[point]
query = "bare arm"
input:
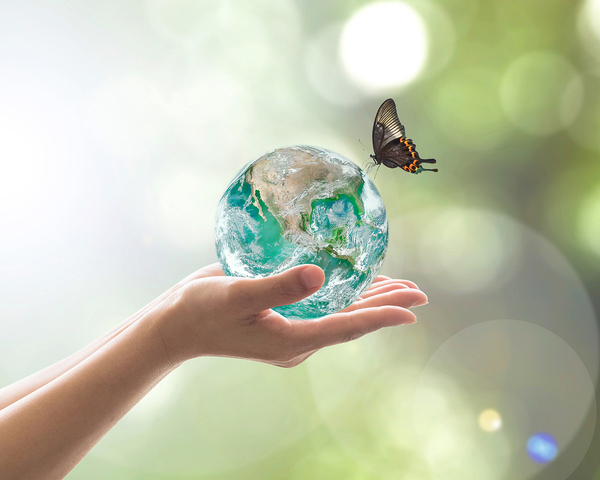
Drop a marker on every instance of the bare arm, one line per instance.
(45, 433)
(16, 391)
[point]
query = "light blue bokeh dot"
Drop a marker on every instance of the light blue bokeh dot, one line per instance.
(542, 447)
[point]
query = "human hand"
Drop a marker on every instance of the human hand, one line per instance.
(215, 315)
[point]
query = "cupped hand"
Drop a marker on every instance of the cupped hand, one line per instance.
(214, 315)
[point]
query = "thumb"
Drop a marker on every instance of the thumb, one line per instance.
(291, 286)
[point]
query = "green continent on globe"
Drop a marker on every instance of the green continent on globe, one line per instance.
(290, 186)
(300, 205)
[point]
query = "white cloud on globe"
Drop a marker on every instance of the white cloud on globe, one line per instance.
(384, 45)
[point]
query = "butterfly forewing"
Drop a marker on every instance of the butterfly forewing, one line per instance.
(387, 126)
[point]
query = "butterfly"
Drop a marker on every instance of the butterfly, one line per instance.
(390, 144)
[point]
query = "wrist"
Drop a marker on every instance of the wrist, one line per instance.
(169, 338)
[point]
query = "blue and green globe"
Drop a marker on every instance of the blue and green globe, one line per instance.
(302, 205)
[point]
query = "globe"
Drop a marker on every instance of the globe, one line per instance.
(304, 205)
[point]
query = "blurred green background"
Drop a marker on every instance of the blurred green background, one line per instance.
(121, 124)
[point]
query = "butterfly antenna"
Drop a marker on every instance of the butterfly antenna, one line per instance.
(429, 169)
(361, 144)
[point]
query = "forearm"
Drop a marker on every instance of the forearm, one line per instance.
(16, 391)
(46, 433)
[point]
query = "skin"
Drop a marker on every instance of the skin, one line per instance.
(51, 419)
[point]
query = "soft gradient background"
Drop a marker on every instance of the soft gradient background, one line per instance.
(121, 124)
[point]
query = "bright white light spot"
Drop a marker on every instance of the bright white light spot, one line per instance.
(489, 420)
(384, 45)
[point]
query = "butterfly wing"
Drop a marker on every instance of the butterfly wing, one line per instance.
(386, 126)
(390, 145)
(399, 152)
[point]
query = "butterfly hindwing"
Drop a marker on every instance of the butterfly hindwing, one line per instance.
(399, 152)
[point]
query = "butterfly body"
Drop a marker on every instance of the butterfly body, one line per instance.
(392, 148)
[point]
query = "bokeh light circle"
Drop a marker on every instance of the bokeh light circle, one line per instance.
(588, 227)
(465, 250)
(513, 260)
(585, 130)
(466, 107)
(532, 280)
(384, 45)
(541, 93)
(489, 420)
(542, 447)
(589, 26)
(534, 377)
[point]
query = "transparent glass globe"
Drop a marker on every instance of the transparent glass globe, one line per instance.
(304, 205)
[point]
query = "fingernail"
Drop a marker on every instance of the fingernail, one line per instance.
(414, 320)
(311, 278)
(420, 304)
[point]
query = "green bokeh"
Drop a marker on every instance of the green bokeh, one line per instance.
(111, 102)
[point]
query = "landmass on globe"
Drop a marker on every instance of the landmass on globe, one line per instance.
(283, 182)
(300, 205)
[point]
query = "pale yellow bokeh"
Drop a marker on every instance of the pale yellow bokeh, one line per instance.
(489, 420)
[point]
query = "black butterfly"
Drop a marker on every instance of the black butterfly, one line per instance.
(390, 144)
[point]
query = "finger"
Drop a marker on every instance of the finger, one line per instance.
(407, 283)
(384, 287)
(212, 270)
(405, 298)
(380, 278)
(258, 294)
(345, 326)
